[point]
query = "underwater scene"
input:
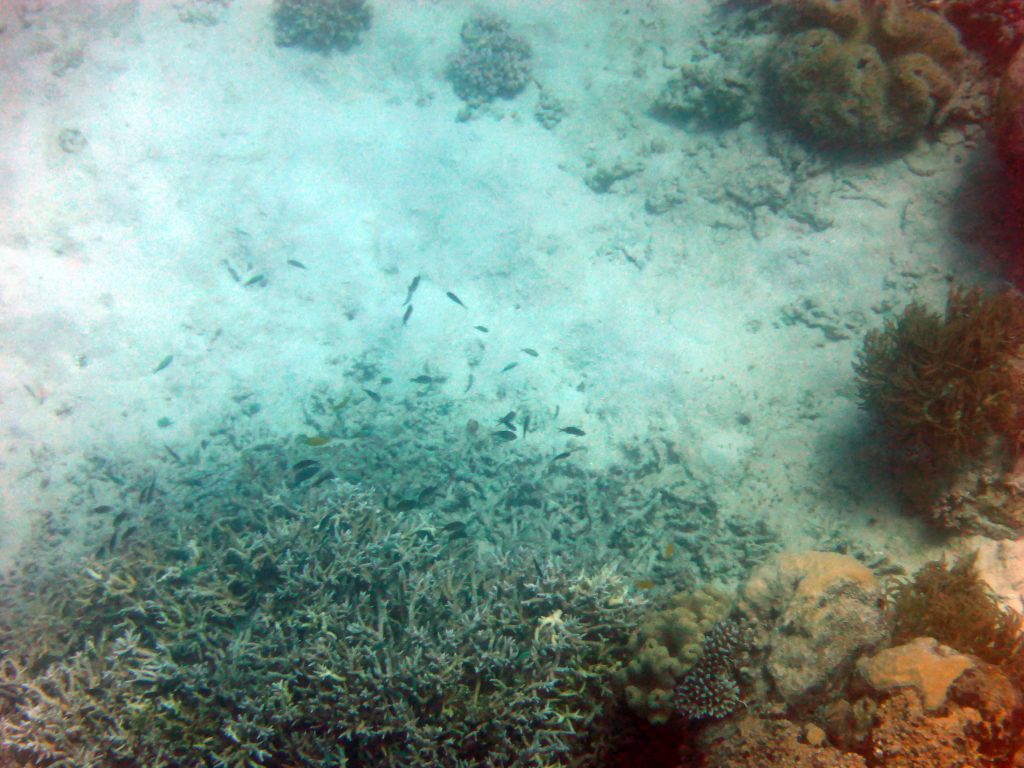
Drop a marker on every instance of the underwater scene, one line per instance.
(522, 383)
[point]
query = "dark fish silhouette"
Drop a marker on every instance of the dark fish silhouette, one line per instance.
(412, 289)
(576, 431)
(164, 363)
(507, 419)
(297, 264)
(482, 328)
(509, 367)
(530, 352)
(505, 436)
(424, 379)
(456, 299)
(407, 315)
(372, 395)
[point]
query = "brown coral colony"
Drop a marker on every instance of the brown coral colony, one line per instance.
(863, 73)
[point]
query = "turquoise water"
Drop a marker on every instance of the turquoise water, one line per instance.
(369, 373)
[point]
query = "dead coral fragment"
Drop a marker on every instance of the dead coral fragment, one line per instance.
(863, 73)
(944, 386)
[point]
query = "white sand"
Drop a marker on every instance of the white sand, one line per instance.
(208, 145)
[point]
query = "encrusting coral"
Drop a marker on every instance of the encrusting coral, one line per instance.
(949, 393)
(864, 72)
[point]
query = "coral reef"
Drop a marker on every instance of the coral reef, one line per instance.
(952, 604)
(756, 742)
(709, 688)
(667, 644)
(861, 73)
(948, 392)
(710, 95)
(320, 25)
(492, 63)
(993, 28)
(305, 626)
(922, 664)
(812, 605)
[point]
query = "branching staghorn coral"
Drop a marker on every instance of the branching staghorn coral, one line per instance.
(306, 627)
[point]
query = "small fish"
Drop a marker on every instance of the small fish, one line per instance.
(255, 280)
(469, 384)
(174, 454)
(424, 379)
(452, 527)
(505, 436)
(644, 584)
(530, 352)
(482, 328)
(101, 510)
(407, 315)
(526, 424)
(507, 419)
(426, 494)
(509, 367)
(456, 299)
(670, 550)
(343, 402)
(575, 431)
(328, 475)
(164, 363)
(305, 463)
(231, 271)
(316, 441)
(412, 289)
(120, 517)
(297, 264)
(126, 534)
(406, 504)
(372, 395)
(305, 473)
(147, 493)
(562, 455)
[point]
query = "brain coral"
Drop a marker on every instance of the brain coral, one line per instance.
(863, 72)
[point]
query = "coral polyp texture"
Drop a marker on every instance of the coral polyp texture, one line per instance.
(949, 394)
(493, 62)
(863, 72)
(304, 628)
(667, 645)
(320, 25)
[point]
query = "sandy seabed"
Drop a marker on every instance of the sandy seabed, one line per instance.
(178, 193)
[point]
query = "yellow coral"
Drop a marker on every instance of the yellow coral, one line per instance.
(665, 646)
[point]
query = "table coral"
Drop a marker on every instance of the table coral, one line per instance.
(859, 73)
